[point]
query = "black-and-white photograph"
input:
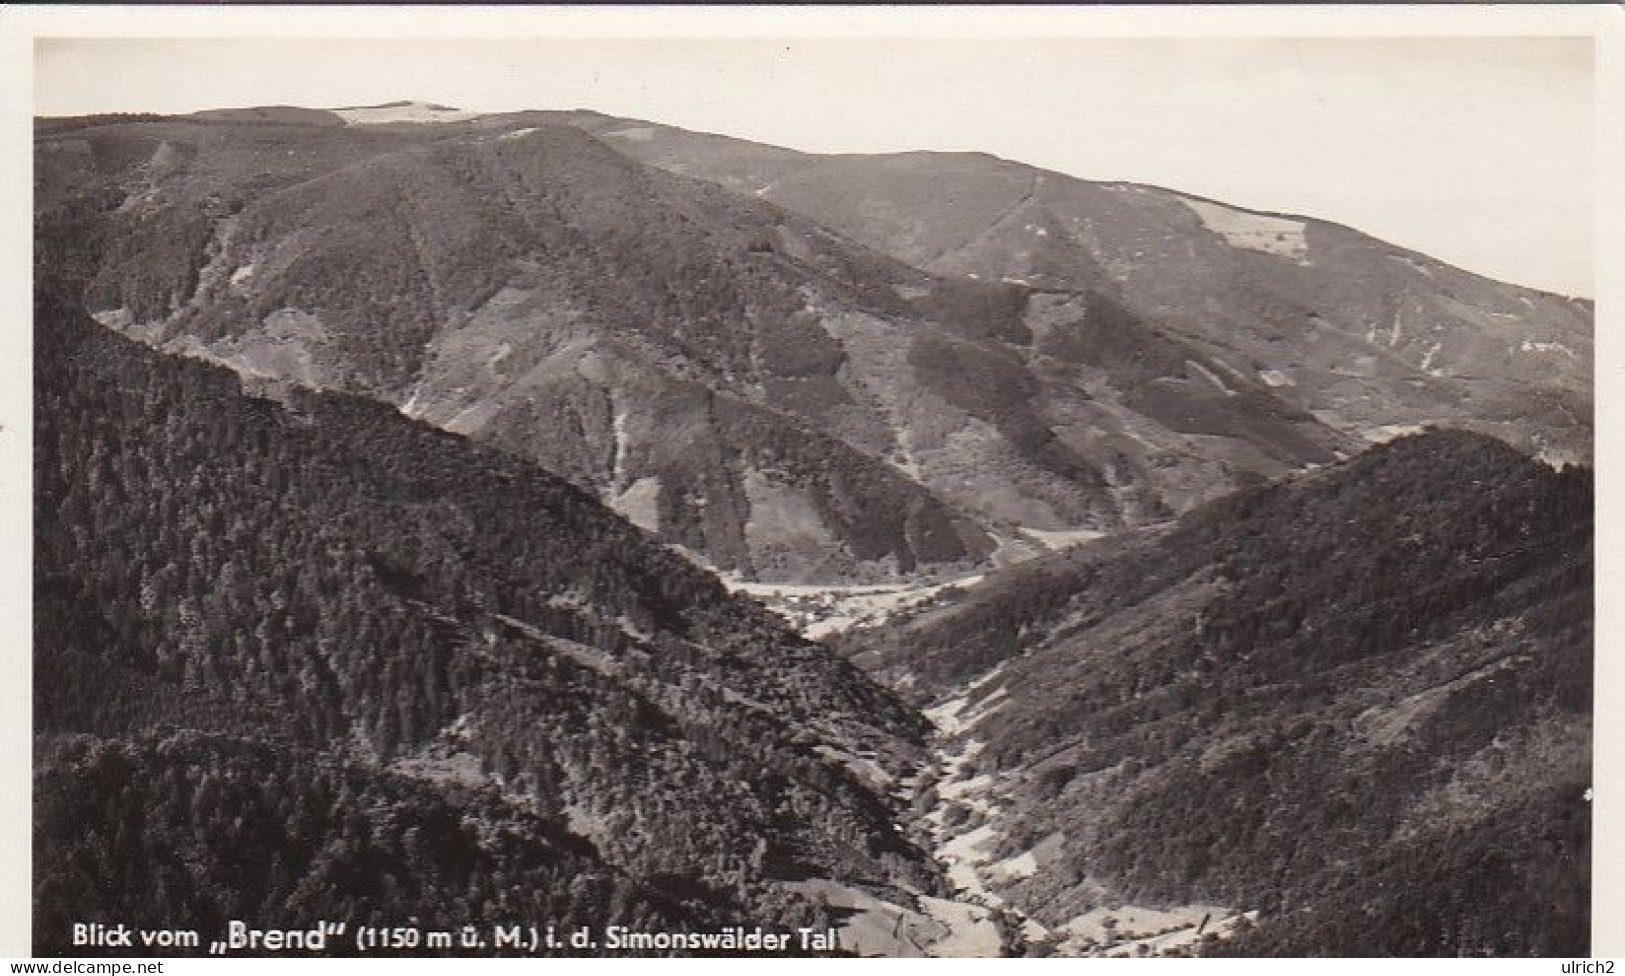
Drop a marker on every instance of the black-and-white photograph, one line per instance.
(814, 493)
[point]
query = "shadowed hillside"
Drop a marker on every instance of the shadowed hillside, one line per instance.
(1357, 702)
(316, 660)
(383, 455)
(1365, 335)
(783, 401)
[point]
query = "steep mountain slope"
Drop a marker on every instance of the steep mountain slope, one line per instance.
(747, 384)
(1366, 335)
(1356, 702)
(298, 656)
(317, 660)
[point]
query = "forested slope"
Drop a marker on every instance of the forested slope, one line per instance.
(784, 402)
(312, 659)
(1357, 701)
(1364, 334)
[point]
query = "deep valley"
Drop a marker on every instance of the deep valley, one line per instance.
(486, 518)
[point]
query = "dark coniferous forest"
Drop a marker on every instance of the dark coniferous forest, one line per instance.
(399, 485)
(316, 660)
(1359, 699)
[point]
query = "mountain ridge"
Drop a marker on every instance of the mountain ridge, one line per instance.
(1385, 663)
(585, 116)
(891, 202)
(369, 498)
(511, 244)
(811, 157)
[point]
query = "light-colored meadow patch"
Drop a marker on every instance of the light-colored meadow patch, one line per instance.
(1279, 236)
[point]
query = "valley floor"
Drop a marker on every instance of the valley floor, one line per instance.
(966, 847)
(961, 827)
